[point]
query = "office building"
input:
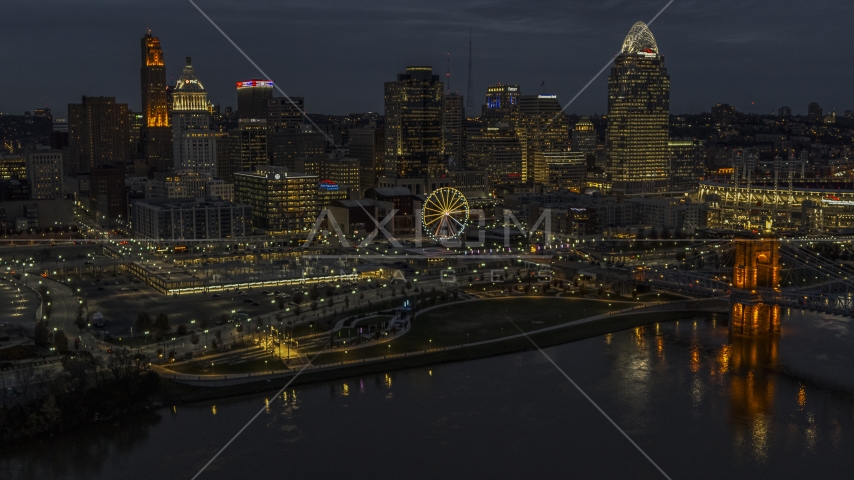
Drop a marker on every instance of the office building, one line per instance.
(414, 136)
(283, 116)
(252, 98)
(687, 163)
(242, 149)
(723, 115)
(193, 219)
(454, 128)
(584, 137)
(194, 144)
(107, 197)
(814, 112)
(497, 151)
(502, 106)
(13, 167)
(368, 146)
(282, 202)
(97, 134)
(564, 170)
(638, 116)
(44, 172)
(284, 148)
(542, 127)
(156, 133)
(136, 121)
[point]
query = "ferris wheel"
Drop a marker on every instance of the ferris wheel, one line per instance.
(445, 213)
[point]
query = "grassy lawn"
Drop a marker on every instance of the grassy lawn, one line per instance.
(202, 367)
(476, 321)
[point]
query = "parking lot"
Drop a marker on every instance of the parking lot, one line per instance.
(121, 298)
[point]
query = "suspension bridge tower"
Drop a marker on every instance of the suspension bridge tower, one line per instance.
(756, 273)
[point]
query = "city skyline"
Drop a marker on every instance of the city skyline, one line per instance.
(712, 57)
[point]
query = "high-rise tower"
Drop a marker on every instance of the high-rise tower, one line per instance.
(194, 142)
(156, 132)
(638, 116)
(414, 114)
(252, 98)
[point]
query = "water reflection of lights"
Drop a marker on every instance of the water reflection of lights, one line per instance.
(802, 398)
(811, 433)
(695, 358)
(345, 390)
(387, 381)
(213, 409)
(760, 429)
(724, 356)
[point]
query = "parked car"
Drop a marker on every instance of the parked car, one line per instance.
(215, 295)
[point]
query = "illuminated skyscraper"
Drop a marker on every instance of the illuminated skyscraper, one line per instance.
(542, 128)
(638, 116)
(584, 137)
(193, 141)
(414, 115)
(502, 105)
(156, 132)
(252, 98)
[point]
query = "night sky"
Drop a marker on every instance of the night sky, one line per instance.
(756, 55)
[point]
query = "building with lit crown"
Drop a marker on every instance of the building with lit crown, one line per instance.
(252, 98)
(194, 144)
(157, 131)
(638, 116)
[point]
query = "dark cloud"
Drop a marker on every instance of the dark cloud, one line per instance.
(338, 53)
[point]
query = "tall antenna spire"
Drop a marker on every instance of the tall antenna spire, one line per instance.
(470, 93)
(448, 74)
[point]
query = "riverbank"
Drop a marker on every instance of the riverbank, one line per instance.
(169, 392)
(175, 393)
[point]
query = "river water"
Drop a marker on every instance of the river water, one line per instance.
(699, 403)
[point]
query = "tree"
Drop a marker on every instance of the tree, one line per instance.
(143, 323)
(297, 297)
(80, 320)
(60, 341)
(330, 290)
(297, 310)
(332, 301)
(161, 325)
(313, 306)
(41, 333)
(527, 288)
(313, 292)
(181, 330)
(408, 285)
(281, 301)
(347, 301)
(194, 339)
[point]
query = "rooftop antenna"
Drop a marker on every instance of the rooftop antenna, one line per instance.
(448, 74)
(470, 99)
